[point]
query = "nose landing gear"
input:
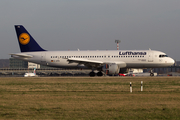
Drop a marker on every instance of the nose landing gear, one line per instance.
(151, 73)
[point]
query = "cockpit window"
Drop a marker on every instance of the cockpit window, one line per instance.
(163, 56)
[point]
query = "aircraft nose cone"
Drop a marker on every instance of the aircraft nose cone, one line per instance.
(172, 61)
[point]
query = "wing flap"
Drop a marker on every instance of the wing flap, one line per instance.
(94, 63)
(86, 62)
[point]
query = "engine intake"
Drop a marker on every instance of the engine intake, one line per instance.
(111, 69)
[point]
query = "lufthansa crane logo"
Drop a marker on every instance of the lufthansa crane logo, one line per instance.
(24, 38)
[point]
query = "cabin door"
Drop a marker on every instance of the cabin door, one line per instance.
(150, 56)
(43, 58)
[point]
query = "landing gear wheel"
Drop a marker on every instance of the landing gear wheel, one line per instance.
(92, 74)
(99, 74)
(151, 74)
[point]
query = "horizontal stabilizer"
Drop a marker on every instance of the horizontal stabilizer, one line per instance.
(21, 55)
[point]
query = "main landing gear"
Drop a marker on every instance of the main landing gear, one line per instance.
(92, 74)
(99, 73)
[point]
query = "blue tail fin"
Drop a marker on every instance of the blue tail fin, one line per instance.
(26, 41)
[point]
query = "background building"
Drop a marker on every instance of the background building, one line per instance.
(33, 65)
(17, 64)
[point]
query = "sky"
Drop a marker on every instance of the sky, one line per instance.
(92, 24)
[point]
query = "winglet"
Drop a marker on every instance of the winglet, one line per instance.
(26, 41)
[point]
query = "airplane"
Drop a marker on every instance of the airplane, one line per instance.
(110, 62)
(31, 74)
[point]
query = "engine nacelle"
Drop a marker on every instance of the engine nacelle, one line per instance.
(111, 69)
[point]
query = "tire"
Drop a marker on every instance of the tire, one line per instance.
(151, 74)
(92, 74)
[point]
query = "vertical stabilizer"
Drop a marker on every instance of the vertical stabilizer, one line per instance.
(26, 41)
(34, 71)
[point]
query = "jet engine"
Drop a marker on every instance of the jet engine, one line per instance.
(111, 69)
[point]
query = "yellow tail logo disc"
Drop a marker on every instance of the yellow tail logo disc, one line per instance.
(24, 38)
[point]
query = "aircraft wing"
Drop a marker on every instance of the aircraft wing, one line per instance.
(21, 55)
(86, 62)
(93, 63)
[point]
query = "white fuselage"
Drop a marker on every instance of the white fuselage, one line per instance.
(29, 75)
(129, 58)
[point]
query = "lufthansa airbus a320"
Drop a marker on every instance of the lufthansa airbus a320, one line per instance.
(105, 62)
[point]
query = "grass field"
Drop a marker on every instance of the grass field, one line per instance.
(90, 98)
